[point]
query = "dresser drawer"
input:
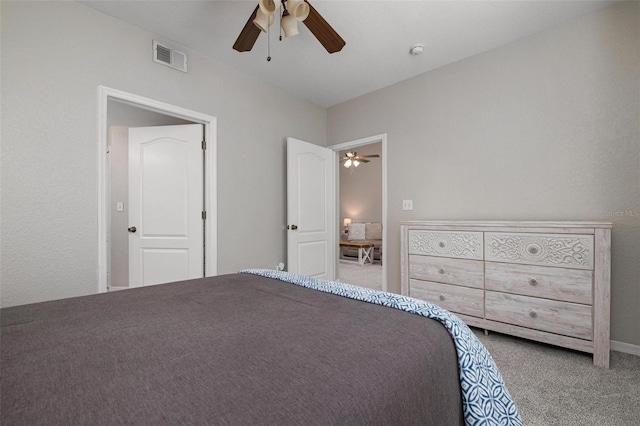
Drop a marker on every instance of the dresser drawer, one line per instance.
(569, 285)
(459, 245)
(568, 319)
(468, 273)
(463, 300)
(568, 251)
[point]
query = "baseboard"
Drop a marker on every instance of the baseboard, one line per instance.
(627, 348)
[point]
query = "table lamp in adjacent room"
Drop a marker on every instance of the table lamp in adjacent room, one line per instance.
(346, 222)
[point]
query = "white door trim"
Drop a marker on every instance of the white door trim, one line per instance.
(353, 144)
(210, 130)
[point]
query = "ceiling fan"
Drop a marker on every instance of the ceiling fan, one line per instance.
(292, 12)
(352, 158)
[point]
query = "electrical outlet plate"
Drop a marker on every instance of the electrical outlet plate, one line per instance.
(407, 204)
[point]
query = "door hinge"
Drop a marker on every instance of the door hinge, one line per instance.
(204, 145)
(204, 215)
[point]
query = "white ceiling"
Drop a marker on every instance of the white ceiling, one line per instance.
(378, 36)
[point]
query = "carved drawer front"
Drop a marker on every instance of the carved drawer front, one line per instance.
(568, 251)
(568, 319)
(463, 300)
(460, 245)
(468, 273)
(569, 285)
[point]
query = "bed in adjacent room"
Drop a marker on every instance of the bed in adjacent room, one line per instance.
(252, 348)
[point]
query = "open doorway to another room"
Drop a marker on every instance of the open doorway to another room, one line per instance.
(361, 212)
(120, 118)
(176, 141)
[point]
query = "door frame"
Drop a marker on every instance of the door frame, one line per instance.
(354, 144)
(105, 94)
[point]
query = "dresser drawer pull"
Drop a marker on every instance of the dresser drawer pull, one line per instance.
(441, 270)
(441, 297)
(533, 314)
(533, 281)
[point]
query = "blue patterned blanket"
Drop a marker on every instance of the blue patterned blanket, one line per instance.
(485, 398)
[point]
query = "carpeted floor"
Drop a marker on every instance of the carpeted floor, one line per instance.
(556, 386)
(369, 275)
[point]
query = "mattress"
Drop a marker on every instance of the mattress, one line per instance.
(232, 349)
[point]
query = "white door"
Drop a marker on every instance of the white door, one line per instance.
(311, 209)
(165, 204)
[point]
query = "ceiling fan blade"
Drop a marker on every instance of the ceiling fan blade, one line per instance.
(320, 28)
(369, 156)
(362, 161)
(248, 35)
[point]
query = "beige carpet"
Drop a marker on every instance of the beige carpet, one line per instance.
(369, 275)
(556, 386)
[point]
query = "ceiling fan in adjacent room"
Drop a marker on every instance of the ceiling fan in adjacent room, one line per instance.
(291, 12)
(352, 158)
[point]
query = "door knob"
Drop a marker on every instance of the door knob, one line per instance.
(292, 227)
(132, 229)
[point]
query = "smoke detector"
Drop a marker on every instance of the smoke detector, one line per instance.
(416, 49)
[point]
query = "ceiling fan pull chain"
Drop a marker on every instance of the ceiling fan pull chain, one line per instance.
(268, 43)
(281, 13)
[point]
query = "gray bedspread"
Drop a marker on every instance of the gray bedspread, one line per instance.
(233, 349)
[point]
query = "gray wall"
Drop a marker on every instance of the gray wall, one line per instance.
(361, 187)
(118, 235)
(545, 128)
(121, 114)
(54, 56)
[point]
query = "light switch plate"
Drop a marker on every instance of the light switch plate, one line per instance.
(119, 206)
(407, 204)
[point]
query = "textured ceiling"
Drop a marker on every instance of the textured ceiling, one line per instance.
(378, 36)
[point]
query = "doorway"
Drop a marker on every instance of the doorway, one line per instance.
(117, 111)
(367, 207)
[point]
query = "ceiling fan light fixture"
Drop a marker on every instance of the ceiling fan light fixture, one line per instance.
(299, 9)
(269, 7)
(263, 21)
(351, 158)
(289, 25)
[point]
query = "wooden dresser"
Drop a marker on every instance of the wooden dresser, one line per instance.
(545, 281)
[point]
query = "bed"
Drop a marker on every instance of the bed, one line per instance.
(259, 347)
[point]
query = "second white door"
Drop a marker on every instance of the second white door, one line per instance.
(165, 204)
(311, 212)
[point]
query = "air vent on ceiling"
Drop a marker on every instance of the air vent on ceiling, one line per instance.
(169, 57)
